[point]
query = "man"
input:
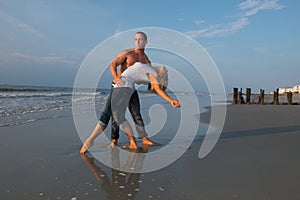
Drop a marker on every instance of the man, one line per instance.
(125, 59)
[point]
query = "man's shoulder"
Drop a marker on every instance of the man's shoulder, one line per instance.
(127, 51)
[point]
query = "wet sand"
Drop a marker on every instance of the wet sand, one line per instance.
(257, 157)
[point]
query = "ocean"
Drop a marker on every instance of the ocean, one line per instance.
(26, 104)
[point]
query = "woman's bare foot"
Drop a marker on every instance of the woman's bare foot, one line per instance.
(86, 146)
(113, 143)
(132, 143)
(147, 141)
(130, 146)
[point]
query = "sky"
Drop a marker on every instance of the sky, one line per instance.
(254, 43)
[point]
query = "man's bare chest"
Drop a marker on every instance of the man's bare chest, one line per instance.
(136, 58)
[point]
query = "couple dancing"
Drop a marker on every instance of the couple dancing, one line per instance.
(135, 68)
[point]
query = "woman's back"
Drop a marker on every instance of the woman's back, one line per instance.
(137, 73)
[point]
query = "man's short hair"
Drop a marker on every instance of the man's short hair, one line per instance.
(144, 34)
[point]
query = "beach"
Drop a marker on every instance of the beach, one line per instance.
(257, 157)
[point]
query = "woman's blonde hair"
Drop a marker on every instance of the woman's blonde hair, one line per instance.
(162, 78)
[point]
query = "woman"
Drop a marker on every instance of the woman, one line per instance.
(138, 73)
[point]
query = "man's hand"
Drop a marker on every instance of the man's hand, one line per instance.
(119, 81)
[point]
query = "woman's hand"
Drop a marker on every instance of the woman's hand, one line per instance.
(175, 103)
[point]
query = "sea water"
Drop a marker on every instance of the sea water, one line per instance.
(26, 104)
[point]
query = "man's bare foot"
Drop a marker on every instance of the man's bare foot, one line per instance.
(147, 141)
(130, 146)
(86, 146)
(113, 143)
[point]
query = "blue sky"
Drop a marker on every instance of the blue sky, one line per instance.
(254, 43)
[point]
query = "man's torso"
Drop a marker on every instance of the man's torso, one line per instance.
(133, 57)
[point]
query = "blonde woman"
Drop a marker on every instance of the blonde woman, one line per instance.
(138, 73)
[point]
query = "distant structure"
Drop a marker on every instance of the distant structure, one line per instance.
(294, 89)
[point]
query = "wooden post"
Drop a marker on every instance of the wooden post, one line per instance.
(248, 95)
(261, 98)
(289, 97)
(275, 97)
(235, 96)
(241, 98)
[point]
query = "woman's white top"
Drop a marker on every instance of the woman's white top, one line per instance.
(136, 73)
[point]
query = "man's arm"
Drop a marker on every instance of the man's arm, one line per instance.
(115, 63)
(148, 62)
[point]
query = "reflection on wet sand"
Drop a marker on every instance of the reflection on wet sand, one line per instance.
(122, 185)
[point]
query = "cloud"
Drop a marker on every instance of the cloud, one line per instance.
(44, 59)
(268, 52)
(21, 57)
(252, 7)
(248, 8)
(16, 23)
(260, 50)
(220, 29)
(199, 21)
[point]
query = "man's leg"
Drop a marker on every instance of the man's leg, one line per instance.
(114, 129)
(105, 117)
(106, 112)
(134, 108)
(114, 132)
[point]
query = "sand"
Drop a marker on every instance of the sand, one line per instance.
(257, 157)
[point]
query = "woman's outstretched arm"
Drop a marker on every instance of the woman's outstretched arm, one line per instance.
(175, 103)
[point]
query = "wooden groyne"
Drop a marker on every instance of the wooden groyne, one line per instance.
(288, 98)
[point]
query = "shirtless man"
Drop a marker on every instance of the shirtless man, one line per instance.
(125, 59)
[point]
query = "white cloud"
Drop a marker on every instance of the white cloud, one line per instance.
(249, 4)
(252, 7)
(17, 23)
(260, 49)
(220, 29)
(199, 21)
(248, 8)
(211, 47)
(21, 57)
(268, 52)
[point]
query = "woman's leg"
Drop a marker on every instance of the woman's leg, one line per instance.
(101, 125)
(128, 131)
(120, 100)
(89, 142)
(134, 108)
(105, 116)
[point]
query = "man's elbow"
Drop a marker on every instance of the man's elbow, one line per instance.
(113, 66)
